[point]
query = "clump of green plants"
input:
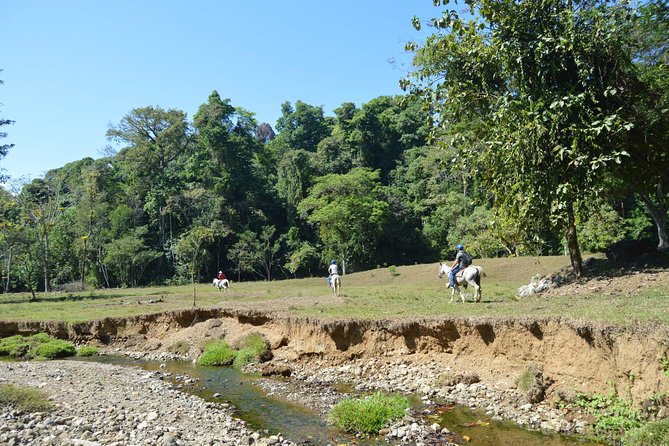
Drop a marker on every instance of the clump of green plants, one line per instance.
(252, 348)
(40, 345)
(257, 345)
(614, 415)
(55, 348)
(392, 269)
(368, 415)
(87, 350)
(217, 353)
(24, 399)
(654, 433)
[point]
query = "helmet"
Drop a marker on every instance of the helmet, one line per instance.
(459, 247)
(333, 262)
(220, 272)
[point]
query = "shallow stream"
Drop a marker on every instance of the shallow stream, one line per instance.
(305, 427)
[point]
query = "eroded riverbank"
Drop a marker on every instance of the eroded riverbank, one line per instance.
(471, 361)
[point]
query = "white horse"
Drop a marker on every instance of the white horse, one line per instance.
(470, 275)
(335, 283)
(221, 284)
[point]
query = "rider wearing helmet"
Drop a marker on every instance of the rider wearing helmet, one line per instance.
(221, 275)
(458, 264)
(332, 270)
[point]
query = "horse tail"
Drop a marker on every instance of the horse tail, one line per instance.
(481, 272)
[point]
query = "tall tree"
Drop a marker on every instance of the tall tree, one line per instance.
(646, 105)
(157, 145)
(538, 81)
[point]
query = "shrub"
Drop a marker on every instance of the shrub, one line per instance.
(526, 379)
(217, 353)
(654, 433)
(87, 350)
(56, 348)
(256, 343)
(8, 346)
(25, 399)
(36, 345)
(368, 415)
(243, 357)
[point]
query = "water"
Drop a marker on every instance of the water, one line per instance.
(304, 426)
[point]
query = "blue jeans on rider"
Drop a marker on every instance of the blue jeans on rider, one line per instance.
(451, 275)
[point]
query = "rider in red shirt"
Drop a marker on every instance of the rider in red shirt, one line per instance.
(221, 276)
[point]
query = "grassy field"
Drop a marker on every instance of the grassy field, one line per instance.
(383, 293)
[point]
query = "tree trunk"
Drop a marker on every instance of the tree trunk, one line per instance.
(9, 268)
(658, 212)
(572, 243)
(46, 261)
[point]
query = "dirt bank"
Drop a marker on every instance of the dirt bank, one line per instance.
(578, 356)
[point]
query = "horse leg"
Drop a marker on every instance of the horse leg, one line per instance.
(462, 295)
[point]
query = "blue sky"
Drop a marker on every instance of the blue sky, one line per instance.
(71, 68)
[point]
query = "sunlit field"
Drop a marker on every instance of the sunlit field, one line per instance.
(382, 293)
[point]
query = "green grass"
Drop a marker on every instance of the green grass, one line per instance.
(415, 291)
(36, 346)
(654, 433)
(87, 350)
(24, 399)
(368, 415)
(217, 353)
(614, 415)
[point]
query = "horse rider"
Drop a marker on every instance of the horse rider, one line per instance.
(221, 276)
(332, 270)
(458, 264)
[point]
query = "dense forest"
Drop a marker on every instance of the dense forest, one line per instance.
(527, 128)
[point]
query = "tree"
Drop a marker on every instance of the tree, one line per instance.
(646, 105)
(41, 201)
(157, 145)
(190, 247)
(538, 83)
(350, 212)
(4, 148)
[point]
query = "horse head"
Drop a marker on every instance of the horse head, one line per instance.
(443, 269)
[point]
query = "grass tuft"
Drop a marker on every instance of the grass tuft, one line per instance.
(217, 353)
(654, 433)
(368, 415)
(87, 350)
(39, 345)
(24, 399)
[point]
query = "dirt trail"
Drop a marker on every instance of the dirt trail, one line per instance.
(579, 356)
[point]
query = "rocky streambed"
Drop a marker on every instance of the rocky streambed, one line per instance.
(108, 405)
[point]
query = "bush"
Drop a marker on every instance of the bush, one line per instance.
(9, 346)
(25, 399)
(41, 345)
(243, 357)
(256, 343)
(654, 433)
(54, 349)
(368, 415)
(87, 350)
(217, 353)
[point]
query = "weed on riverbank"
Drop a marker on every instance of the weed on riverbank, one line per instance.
(24, 399)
